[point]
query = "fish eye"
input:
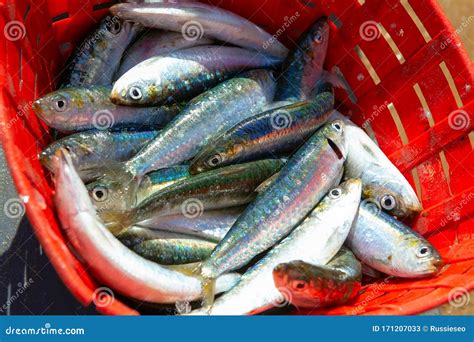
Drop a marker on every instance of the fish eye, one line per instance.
(298, 285)
(60, 104)
(335, 193)
(99, 193)
(337, 125)
(215, 160)
(388, 202)
(115, 28)
(423, 252)
(135, 93)
(318, 38)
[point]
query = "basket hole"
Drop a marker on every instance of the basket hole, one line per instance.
(411, 12)
(60, 17)
(104, 5)
(452, 85)
(26, 12)
(361, 2)
(370, 69)
(416, 180)
(391, 43)
(471, 139)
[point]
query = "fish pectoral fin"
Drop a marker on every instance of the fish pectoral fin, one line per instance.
(192, 269)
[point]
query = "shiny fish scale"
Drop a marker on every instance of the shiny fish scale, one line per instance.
(190, 71)
(226, 187)
(98, 58)
(276, 211)
(91, 108)
(217, 109)
(92, 149)
(303, 66)
(259, 137)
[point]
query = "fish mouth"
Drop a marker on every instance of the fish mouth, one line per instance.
(338, 150)
(45, 160)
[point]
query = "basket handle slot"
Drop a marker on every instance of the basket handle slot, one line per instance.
(411, 12)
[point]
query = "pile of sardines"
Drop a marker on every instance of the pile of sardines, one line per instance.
(202, 164)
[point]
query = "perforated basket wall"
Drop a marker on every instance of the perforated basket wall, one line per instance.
(411, 89)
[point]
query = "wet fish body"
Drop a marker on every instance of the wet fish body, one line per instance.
(90, 151)
(77, 109)
(312, 286)
(174, 251)
(316, 240)
(112, 263)
(154, 43)
(303, 67)
(383, 183)
(96, 61)
(184, 74)
(276, 132)
(303, 181)
(195, 20)
(216, 110)
(223, 188)
(389, 246)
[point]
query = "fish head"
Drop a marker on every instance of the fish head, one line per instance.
(77, 147)
(59, 106)
(316, 41)
(415, 257)
(391, 194)
(216, 154)
(136, 87)
(334, 131)
(294, 276)
(108, 194)
(116, 29)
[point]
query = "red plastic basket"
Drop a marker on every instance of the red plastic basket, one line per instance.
(410, 81)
